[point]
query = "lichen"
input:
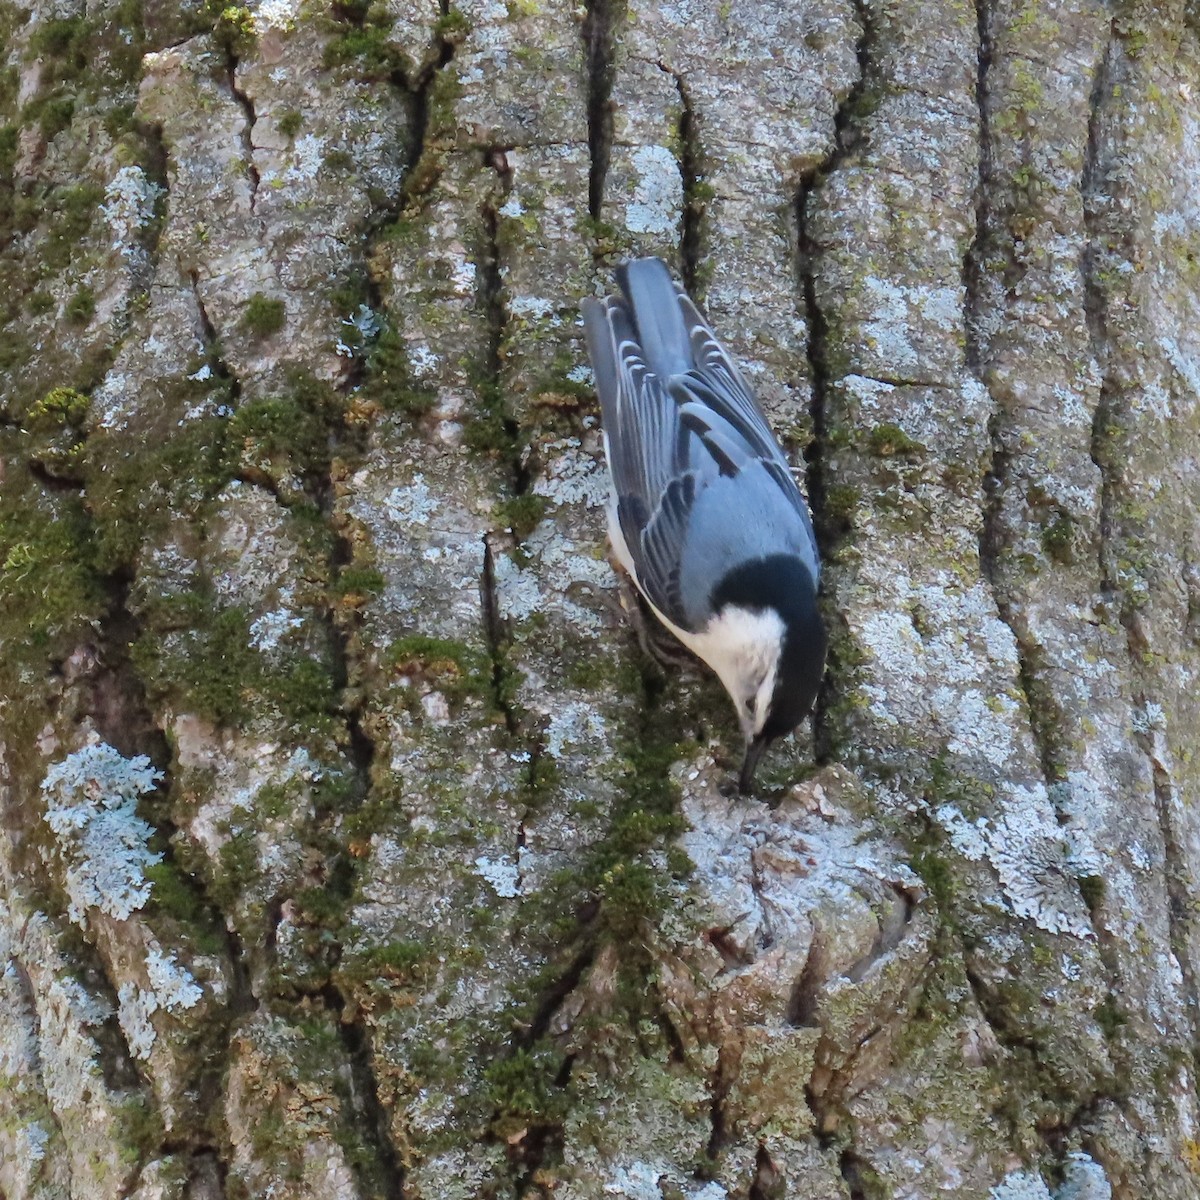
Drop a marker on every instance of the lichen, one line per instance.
(91, 802)
(171, 989)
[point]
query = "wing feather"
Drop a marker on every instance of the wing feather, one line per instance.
(670, 436)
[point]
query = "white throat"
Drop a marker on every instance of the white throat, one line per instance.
(742, 645)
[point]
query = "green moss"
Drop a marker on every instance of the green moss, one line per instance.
(81, 307)
(841, 501)
(177, 895)
(363, 43)
(9, 140)
(359, 581)
(133, 492)
(56, 37)
(938, 875)
(120, 121)
(237, 871)
(233, 28)
(49, 587)
(71, 213)
(56, 410)
(338, 159)
(139, 1129)
(523, 514)
(1058, 538)
(304, 692)
(1092, 888)
(263, 316)
(522, 1092)
(453, 668)
(289, 122)
(40, 303)
(624, 873)
(53, 114)
(198, 655)
(389, 380)
(381, 968)
(1110, 1017)
(277, 435)
(205, 661)
(887, 441)
(452, 27)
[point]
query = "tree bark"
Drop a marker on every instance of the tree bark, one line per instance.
(350, 846)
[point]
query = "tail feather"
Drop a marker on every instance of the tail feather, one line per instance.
(657, 316)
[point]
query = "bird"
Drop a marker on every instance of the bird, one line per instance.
(704, 514)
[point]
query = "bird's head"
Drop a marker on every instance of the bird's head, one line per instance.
(774, 651)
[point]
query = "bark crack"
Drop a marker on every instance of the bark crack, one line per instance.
(1095, 306)
(494, 633)
(249, 119)
(212, 342)
(364, 1089)
(1180, 886)
(1043, 713)
(1106, 454)
(691, 172)
(599, 38)
(848, 137)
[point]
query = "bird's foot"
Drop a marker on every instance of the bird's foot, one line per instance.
(654, 641)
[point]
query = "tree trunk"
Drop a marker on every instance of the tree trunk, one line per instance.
(350, 846)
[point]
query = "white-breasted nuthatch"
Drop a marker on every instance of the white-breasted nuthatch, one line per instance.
(704, 513)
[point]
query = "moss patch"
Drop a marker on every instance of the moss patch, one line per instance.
(197, 654)
(361, 41)
(263, 316)
(49, 587)
(81, 307)
(389, 380)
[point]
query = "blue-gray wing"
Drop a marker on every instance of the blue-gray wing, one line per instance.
(681, 427)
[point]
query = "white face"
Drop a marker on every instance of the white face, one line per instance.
(742, 646)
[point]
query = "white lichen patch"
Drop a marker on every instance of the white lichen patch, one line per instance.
(969, 838)
(518, 595)
(574, 723)
(367, 321)
(35, 1137)
(1084, 1179)
(70, 1071)
(91, 802)
(173, 985)
(423, 361)
(657, 202)
(571, 475)
(1038, 861)
(276, 14)
(307, 157)
(411, 505)
(867, 391)
(134, 1010)
(1020, 1185)
(268, 630)
(502, 874)
(128, 207)
(533, 307)
(171, 989)
(887, 332)
(635, 1181)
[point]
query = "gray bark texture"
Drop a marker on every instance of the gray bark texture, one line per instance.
(350, 847)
